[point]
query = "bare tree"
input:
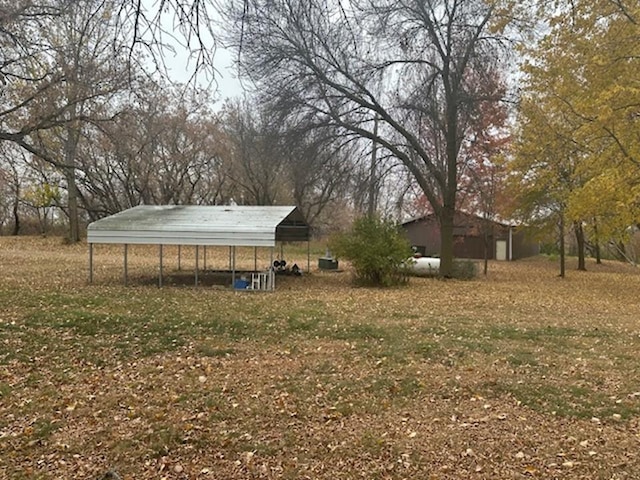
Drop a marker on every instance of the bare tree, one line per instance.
(63, 59)
(25, 73)
(276, 157)
(258, 167)
(87, 51)
(320, 165)
(161, 148)
(329, 57)
(18, 175)
(9, 191)
(157, 27)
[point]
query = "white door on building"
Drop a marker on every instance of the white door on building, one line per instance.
(501, 249)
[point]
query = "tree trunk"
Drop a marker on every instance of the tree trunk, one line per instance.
(446, 242)
(72, 198)
(448, 211)
(42, 219)
(621, 251)
(596, 247)
(16, 200)
(488, 232)
(486, 251)
(16, 216)
(371, 208)
(71, 144)
(577, 226)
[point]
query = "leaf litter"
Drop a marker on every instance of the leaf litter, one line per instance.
(517, 375)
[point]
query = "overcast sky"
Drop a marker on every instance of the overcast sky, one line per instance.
(181, 68)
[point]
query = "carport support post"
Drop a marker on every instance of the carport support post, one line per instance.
(126, 250)
(233, 268)
(197, 255)
(179, 251)
(205, 258)
(160, 275)
(230, 248)
(272, 272)
(308, 256)
(91, 263)
(255, 259)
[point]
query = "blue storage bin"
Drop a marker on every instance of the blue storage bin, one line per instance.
(240, 284)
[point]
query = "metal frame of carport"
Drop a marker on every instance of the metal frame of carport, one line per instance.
(162, 225)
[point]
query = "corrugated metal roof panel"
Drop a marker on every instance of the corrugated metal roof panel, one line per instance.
(198, 225)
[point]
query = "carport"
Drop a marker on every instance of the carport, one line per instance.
(199, 226)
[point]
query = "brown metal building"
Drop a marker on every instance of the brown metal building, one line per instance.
(506, 242)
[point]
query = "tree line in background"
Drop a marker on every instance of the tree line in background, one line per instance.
(522, 112)
(88, 131)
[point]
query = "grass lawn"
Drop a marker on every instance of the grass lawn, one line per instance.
(517, 375)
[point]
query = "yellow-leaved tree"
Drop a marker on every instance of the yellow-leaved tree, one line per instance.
(577, 155)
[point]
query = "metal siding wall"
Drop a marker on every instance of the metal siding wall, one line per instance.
(424, 234)
(471, 247)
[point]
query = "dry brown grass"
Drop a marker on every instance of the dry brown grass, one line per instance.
(517, 375)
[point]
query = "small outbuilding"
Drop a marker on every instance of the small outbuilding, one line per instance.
(506, 242)
(199, 226)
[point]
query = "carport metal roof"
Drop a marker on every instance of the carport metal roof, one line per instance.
(254, 226)
(232, 226)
